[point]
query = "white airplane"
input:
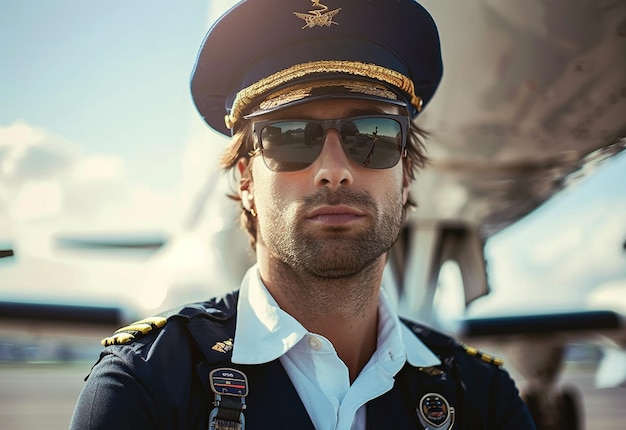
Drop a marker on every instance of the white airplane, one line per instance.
(532, 99)
(533, 95)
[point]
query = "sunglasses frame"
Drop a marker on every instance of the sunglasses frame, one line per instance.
(327, 124)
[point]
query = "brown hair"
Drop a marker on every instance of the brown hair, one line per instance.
(242, 146)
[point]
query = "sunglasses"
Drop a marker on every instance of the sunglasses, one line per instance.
(372, 141)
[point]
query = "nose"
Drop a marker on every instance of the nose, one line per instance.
(333, 167)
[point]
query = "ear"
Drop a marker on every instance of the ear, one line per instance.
(246, 186)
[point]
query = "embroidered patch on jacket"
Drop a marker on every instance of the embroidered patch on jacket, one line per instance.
(431, 371)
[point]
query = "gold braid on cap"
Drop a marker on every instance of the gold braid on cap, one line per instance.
(249, 94)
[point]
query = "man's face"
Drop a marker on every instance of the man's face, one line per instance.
(334, 217)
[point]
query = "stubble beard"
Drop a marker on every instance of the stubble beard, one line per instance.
(337, 253)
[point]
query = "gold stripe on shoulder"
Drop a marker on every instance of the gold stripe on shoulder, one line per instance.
(130, 332)
(487, 358)
(118, 339)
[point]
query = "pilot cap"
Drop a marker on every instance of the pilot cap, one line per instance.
(265, 55)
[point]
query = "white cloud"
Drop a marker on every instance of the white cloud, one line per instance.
(99, 168)
(28, 152)
(52, 181)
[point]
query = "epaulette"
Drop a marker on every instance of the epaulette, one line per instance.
(217, 308)
(438, 341)
(129, 333)
(487, 358)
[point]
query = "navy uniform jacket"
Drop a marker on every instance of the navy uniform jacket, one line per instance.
(157, 378)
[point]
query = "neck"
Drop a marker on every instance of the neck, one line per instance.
(344, 310)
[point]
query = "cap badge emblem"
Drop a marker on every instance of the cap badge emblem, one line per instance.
(321, 16)
(435, 413)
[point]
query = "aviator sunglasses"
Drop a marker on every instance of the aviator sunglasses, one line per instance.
(372, 141)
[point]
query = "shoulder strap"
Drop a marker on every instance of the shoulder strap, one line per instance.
(443, 344)
(218, 310)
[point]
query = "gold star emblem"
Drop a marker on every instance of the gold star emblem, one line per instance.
(322, 16)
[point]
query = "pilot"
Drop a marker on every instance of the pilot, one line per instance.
(309, 340)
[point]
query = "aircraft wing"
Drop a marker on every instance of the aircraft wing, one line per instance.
(6, 250)
(536, 343)
(532, 98)
(111, 242)
(574, 322)
(48, 314)
(78, 282)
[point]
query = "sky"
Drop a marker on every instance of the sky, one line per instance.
(101, 87)
(109, 77)
(98, 133)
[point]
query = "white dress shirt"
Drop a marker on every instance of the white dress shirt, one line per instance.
(266, 332)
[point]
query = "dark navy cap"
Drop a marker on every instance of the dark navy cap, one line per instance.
(264, 55)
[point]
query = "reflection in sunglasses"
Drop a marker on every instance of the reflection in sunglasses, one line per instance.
(290, 145)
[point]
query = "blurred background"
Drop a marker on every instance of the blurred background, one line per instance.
(100, 144)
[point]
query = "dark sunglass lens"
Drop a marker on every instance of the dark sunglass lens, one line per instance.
(291, 145)
(375, 143)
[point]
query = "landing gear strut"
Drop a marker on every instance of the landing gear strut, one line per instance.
(555, 411)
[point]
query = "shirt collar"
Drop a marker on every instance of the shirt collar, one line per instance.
(401, 338)
(265, 332)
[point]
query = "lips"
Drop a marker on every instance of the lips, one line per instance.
(339, 214)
